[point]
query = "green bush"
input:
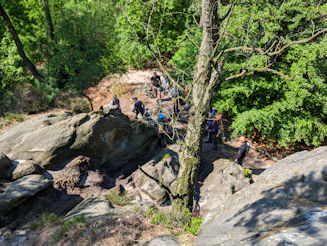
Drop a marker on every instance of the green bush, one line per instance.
(175, 221)
(29, 99)
(14, 117)
(46, 219)
(119, 199)
(71, 100)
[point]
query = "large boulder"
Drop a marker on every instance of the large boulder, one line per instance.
(52, 138)
(224, 180)
(26, 168)
(285, 206)
(20, 190)
(164, 168)
(72, 175)
(5, 164)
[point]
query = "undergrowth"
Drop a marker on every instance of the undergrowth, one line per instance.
(119, 198)
(46, 219)
(69, 224)
(177, 223)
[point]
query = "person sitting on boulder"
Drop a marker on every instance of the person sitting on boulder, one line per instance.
(212, 128)
(242, 151)
(115, 101)
(156, 85)
(138, 108)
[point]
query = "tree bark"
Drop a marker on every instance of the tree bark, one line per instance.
(203, 82)
(46, 9)
(19, 45)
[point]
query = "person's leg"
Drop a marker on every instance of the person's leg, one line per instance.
(209, 137)
(214, 138)
(136, 114)
(155, 91)
(159, 89)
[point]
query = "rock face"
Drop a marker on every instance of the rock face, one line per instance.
(162, 241)
(91, 208)
(163, 167)
(72, 175)
(225, 179)
(26, 168)
(5, 163)
(286, 206)
(20, 190)
(51, 138)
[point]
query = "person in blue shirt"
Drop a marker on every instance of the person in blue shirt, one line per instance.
(212, 128)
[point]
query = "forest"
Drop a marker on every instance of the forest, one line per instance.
(272, 57)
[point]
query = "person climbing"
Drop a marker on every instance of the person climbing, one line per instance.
(138, 108)
(161, 118)
(115, 101)
(147, 115)
(165, 85)
(156, 85)
(212, 128)
(242, 151)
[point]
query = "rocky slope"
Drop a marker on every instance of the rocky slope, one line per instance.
(285, 206)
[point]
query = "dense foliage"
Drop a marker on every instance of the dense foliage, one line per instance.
(93, 38)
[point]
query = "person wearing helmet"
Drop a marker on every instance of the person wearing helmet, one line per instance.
(115, 101)
(138, 107)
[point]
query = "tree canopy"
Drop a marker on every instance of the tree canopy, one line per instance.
(281, 97)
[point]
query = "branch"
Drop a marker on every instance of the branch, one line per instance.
(280, 50)
(228, 12)
(245, 71)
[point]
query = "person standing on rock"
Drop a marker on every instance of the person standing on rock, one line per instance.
(166, 85)
(242, 151)
(212, 128)
(156, 85)
(138, 108)
(115, 101)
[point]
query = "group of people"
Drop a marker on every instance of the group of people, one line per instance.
(213, 126)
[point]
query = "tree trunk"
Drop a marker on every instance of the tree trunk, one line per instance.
(203, 82)
(46, 9)
(19, 45)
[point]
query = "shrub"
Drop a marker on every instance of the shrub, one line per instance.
(29, 99)
(46, 219)
(119, 198)
(71, 100)
(175, 221)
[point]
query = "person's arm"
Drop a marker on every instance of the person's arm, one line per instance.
(240, 152)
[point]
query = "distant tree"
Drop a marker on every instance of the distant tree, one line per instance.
(19, 45)
(46, 9)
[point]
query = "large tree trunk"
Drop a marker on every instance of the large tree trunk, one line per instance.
(203, 83)
(19, 45)
(46, 9)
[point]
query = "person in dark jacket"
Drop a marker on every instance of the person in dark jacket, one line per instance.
(115, 101)
(138, 107)
(212, 128)
(242, 151)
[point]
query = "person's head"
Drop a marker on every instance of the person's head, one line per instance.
(154, 73)
(134, 99)
(161, 116)
(242, 139)
(114, 96)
